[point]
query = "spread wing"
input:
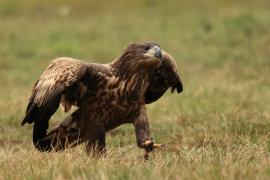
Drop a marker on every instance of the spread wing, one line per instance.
(163, 78)
(60, 82)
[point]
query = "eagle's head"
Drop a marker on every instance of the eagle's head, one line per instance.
(139, 57)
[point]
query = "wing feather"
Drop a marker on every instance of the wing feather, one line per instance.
(60, 74)
(59, 78)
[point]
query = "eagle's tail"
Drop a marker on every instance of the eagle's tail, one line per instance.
(67, 134)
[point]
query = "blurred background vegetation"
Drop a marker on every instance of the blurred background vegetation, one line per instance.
(205, 32)
(218, 127)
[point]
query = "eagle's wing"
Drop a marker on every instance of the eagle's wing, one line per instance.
(166, 76)
(59, 75)
(60, 82)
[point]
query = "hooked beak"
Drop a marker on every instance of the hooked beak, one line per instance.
(157, 52)
(154, 52)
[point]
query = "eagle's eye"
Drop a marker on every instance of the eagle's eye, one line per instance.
(146, 48)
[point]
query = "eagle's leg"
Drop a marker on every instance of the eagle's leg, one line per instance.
(142, 129)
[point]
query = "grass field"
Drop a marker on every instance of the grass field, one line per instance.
(218, 128)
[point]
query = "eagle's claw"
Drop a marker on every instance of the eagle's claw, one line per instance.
(150, 146)
(159, 146)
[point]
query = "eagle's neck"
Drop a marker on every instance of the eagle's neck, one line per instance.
(133, 75)
(127, 65)
(137, 85)
(130, 88)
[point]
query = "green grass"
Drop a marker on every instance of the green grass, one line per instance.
(218, 128)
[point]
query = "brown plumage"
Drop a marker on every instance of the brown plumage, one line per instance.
(107, 95)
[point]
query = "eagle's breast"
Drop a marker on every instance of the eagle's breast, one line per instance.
(127, 91)
(114, 99)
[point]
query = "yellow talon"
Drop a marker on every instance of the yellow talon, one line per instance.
(158, 146)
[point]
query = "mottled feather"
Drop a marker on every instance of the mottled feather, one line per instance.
(60, 74)
(107, 95)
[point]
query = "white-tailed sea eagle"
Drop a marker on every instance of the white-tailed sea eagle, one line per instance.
(107, 95)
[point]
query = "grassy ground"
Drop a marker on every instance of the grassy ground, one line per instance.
(217, 129)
